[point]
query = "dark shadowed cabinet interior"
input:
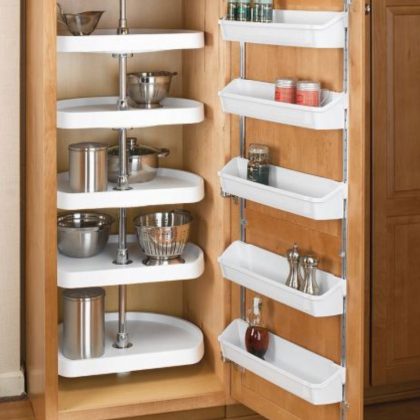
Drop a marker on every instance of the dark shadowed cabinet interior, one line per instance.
(395, 313)
(330, 144)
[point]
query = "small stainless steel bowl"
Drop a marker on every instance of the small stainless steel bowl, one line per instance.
(80, 23)
(83, 235)
(163, 236)
(148, 89)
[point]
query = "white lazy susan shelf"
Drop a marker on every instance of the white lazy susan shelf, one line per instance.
(293, 368)
(295, 192)
(102, 112)
(159, 341)
(137, 41)
(266, 273)
(254, 99)
(171, 186)
(100, 270)
(291, 28)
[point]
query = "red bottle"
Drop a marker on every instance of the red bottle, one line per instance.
(256, 337)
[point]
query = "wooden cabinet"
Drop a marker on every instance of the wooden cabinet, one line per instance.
(209, 302)
(395, 350)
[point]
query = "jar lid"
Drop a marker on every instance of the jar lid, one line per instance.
(308, 85)
(266, 1)
(286, 82)
(91, 293)
(87, 147)
(259, 149)
(244, 1)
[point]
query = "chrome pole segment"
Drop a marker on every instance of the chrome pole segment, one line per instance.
(122, 340)
(122, 100)
(122, 257)
(122, 23)
(242, 150)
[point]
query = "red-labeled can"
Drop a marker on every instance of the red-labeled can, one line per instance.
(308, 93)
(285, 91)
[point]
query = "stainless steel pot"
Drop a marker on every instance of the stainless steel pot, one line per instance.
(83, 235)
(143, 162)
(163, 236)
(88, 168)
(149, 89)
(83, 323)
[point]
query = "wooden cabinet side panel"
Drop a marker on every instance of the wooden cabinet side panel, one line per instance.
(41, 311)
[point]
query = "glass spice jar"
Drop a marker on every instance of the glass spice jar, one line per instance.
(256, 11)
(232, 10)
(285, 91)
(259, 163)
(244, 10)
(266, 14)
(308, 93)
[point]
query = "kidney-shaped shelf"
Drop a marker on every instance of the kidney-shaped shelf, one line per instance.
(100, 270)
(137, 41)
(102, 112)
(255, 99)
(171, 186)
(295, 192)
(266, 273)
(295, 369)
(291, 28)
(159, 341)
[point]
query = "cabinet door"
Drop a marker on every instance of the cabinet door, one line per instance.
(318, 153)
(396, 192)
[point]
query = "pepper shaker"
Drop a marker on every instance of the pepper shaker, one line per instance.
(294, 280)
(310, 285)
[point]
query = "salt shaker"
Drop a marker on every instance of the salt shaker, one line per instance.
(310, 284)
(294, 280)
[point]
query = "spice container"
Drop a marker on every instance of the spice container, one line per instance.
(256, 336)
(244, 10)
(310, 284)
(83, 323)
(294, 279)
(259, 163)
(308, 93)
(266, 13)
(88, 167)
(285, 91)
(232, 10)
(256, 11)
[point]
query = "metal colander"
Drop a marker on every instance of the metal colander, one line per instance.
(162, 236)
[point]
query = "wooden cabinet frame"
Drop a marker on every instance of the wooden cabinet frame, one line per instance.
(215, 65)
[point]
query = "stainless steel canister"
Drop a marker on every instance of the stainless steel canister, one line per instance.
(88, 167)
(83, 323)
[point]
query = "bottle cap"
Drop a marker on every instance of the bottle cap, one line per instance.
(257, 305)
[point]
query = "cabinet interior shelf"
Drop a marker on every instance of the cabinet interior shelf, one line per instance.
(100, 270)
(293, 368)
(137, 41)
(159, 341)
(291, 28)
(254, 99)
(171, 186)
(102, 112)
(266, 273)
(291, 191)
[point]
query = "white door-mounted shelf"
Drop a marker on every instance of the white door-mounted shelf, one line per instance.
(100, 270)
(291, 191)
(291, 28)
(293, 368)
(266, 273)
(171, 186)
(137, 41)
(255, 99)
(159, 341)
(102, 112)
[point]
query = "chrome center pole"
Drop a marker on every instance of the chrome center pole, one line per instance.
(122, 23)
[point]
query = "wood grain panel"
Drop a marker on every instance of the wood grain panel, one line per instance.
(40, 270)
(396, 205)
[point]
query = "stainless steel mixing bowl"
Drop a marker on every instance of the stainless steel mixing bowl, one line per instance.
(163, 236)
(148, 89)
(80, 23)
(83, 235)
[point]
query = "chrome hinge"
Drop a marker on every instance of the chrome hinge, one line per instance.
(225, 194)
(368, 9)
